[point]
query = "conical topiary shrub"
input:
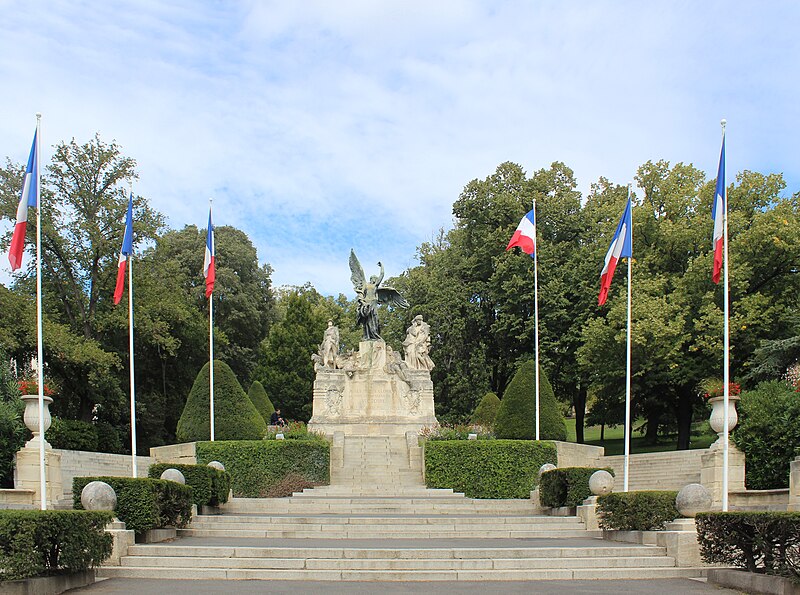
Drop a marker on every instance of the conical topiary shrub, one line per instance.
(516, 417)
(259, 398)
(486, 411)
(235, 416)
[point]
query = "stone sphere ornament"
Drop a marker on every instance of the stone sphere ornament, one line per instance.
(98, 495)
(693, 498)
(545, 468)
(601, 483)
(173, 475)
(217, 465)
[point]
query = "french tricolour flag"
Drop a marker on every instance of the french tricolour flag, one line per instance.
(525, 235)
(29, 198)
(621, 247)
(209, 271)
(718, 214)
(127, 250)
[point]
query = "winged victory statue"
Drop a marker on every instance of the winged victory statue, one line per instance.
(370, 294)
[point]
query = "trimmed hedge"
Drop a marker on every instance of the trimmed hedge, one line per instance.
(637, 511)
(486, 411)
(210, 487)
(235, 416)
(764, 542)
(516, 417)
(72, 434)
(142, 503)
(269, 468)
(486, 468)
(258, 396)
(41, 542)
(567, 486)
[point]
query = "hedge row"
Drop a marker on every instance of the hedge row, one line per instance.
(637, 511)
(567, 486)
(487, 468)
(765, 542)
(144, 504)
(269, 468)
(210, 487)
(39, 542)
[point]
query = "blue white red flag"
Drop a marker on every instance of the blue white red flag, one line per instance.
(621, 247)
(29, 198)
(525, 235)
(718, 214)
(209, 269)
(127, 250)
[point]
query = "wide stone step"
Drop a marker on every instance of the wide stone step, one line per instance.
(398, 575)
(372, 520)
(422, 564)
(354, 532)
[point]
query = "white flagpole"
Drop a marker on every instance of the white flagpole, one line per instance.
(211, 346)
(39, 333)
(628, 366)
(134, 470)
(727, 345)
(536, 308)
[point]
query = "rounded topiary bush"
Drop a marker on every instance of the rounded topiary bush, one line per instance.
(516, 417)
(486, 411)
(235, 416)
(72, 434)
(768, 434)
(259, 398)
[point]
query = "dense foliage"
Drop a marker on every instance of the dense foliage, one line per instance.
(12, 429)
(258, 396)
(269, 468)
(637, 511)
(486, 411)
(72, 434)
(766, 542)
(487, 468)
(42, 542)
(566, 486)
(142, 503)
(210, 487)
(235, 416)
(768, 433)
(516, 417)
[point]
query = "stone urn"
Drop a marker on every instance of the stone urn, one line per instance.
(31, 418)
(717, 419)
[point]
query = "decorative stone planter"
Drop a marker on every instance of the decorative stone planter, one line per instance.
(31, 418)
(717, 419)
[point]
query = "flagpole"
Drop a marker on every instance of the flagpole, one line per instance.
(211, 346)
(39, 333)
(134, 470)
(536, 309)
(727, 346)
(628, 365)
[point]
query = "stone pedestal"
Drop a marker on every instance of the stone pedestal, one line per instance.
(26, 473)
(122, 539)
(711, 472)
(587, 512)
(794, 485)
(372, 393)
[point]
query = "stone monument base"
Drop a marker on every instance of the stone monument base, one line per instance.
(372, 393)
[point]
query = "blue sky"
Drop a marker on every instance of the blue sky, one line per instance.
(320, 126)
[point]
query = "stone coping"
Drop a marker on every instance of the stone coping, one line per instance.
(48, 584)
(750, 582)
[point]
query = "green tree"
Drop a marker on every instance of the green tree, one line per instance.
(235, 416)
(516, 417)
(486, 411)
(258, 396)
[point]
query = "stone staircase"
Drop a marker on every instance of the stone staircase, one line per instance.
(657, 470)
(378, 522)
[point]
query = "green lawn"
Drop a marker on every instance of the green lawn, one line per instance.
(614, 443)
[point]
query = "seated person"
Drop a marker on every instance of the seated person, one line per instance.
(276, 420)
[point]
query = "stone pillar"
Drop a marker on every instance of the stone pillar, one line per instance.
(122, 539)
(794, 485)
(587, 512)
(26, 474)
(711, 472)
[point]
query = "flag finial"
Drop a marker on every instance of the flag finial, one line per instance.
(38, 115)
(723, 122)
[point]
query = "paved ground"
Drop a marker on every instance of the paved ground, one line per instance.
(678, 586)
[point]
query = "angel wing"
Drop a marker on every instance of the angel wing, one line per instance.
(389, 295)
(357, 277)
